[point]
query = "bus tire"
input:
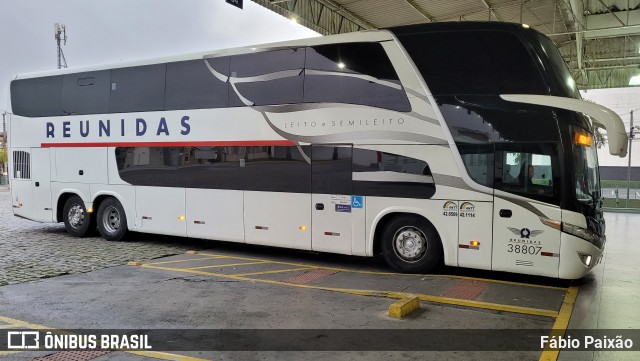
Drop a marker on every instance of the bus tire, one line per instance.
(111, 219)
(411, 245)
(76, 219)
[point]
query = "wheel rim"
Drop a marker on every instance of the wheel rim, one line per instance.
(111, 219)
(76, 216)
(410, 244)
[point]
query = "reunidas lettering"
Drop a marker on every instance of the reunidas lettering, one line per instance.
(107, 129)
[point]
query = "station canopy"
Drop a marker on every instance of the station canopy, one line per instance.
(599, 39)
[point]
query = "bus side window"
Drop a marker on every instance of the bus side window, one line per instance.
(190, 84)
(345, 73)
(37, 97)
(267, 78)
(528, 172)
(86, 93)
(137, 89)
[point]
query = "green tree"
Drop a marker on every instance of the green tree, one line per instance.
(599, 138)
(4, 158)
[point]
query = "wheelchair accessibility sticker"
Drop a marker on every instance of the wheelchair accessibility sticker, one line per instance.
(356, 201)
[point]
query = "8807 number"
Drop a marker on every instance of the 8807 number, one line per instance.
(523, 249)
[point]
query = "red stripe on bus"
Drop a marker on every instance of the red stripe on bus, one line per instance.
(240, 143)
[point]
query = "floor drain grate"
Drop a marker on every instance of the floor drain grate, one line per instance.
(72, 356)
(466, 290)
(310, 276)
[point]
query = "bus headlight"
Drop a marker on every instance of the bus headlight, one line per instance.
(584, 233)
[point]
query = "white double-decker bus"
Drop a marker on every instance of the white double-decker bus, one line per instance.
(465, 143)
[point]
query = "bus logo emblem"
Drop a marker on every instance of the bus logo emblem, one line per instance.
(525, 232)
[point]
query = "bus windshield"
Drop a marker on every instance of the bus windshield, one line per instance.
(587, 178)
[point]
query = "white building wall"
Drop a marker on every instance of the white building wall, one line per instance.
(621, 101)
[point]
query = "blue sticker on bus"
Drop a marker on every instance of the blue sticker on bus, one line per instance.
(343, 208)
(356, 201)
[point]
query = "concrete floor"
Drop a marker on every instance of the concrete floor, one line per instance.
(608, 297)
(244, 287)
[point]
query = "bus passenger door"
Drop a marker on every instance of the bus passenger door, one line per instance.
(331, 203)
(475, 217)
(522, 242)
(41, 185)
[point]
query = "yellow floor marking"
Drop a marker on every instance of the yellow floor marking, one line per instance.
(3, 353)
(2, 327)
(158, 355)
(381, 272)
(22, 324)
(562, 321)
(275, 271)
(501, 282)
(229, 265)
(166, 356)
(182, 260)
(388, 294)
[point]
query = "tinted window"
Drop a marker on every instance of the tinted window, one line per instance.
(86, 93)
(563, 82)
(191, 85)
(275, 169)
(489, 119)
(478, 160)
(267, 78)
(331, 166)
(474, 62)
(137, 89)
(358, 73)
(385, 174)
(37, 97)
(529, 169)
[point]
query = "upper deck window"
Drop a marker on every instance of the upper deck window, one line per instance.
(357, 73)
(474, 62)
(37, 97)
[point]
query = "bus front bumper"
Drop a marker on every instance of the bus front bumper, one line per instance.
(577, 256)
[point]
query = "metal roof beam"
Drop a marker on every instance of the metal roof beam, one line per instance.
(577, 10)
(420, 10)
(323, 16)
(491, 11)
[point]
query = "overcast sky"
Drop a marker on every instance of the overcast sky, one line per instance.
(106, 31)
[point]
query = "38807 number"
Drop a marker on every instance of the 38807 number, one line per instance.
(523, 249)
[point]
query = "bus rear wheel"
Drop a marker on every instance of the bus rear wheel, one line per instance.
(77, 220)
(112, 221)
(411, 245)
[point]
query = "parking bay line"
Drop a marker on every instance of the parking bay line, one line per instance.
(387, 294)
(182, 260)
(562, 322)
(274, 271)
(385, 273)
(228, 265)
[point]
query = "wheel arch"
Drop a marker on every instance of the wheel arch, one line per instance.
(63, 196)
(99, 197)
(384, 217)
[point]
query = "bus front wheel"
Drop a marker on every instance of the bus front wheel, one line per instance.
(77, 220)
(411, 245)
(112, 221)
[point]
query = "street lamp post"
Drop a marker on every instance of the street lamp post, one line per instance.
(631, 129)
